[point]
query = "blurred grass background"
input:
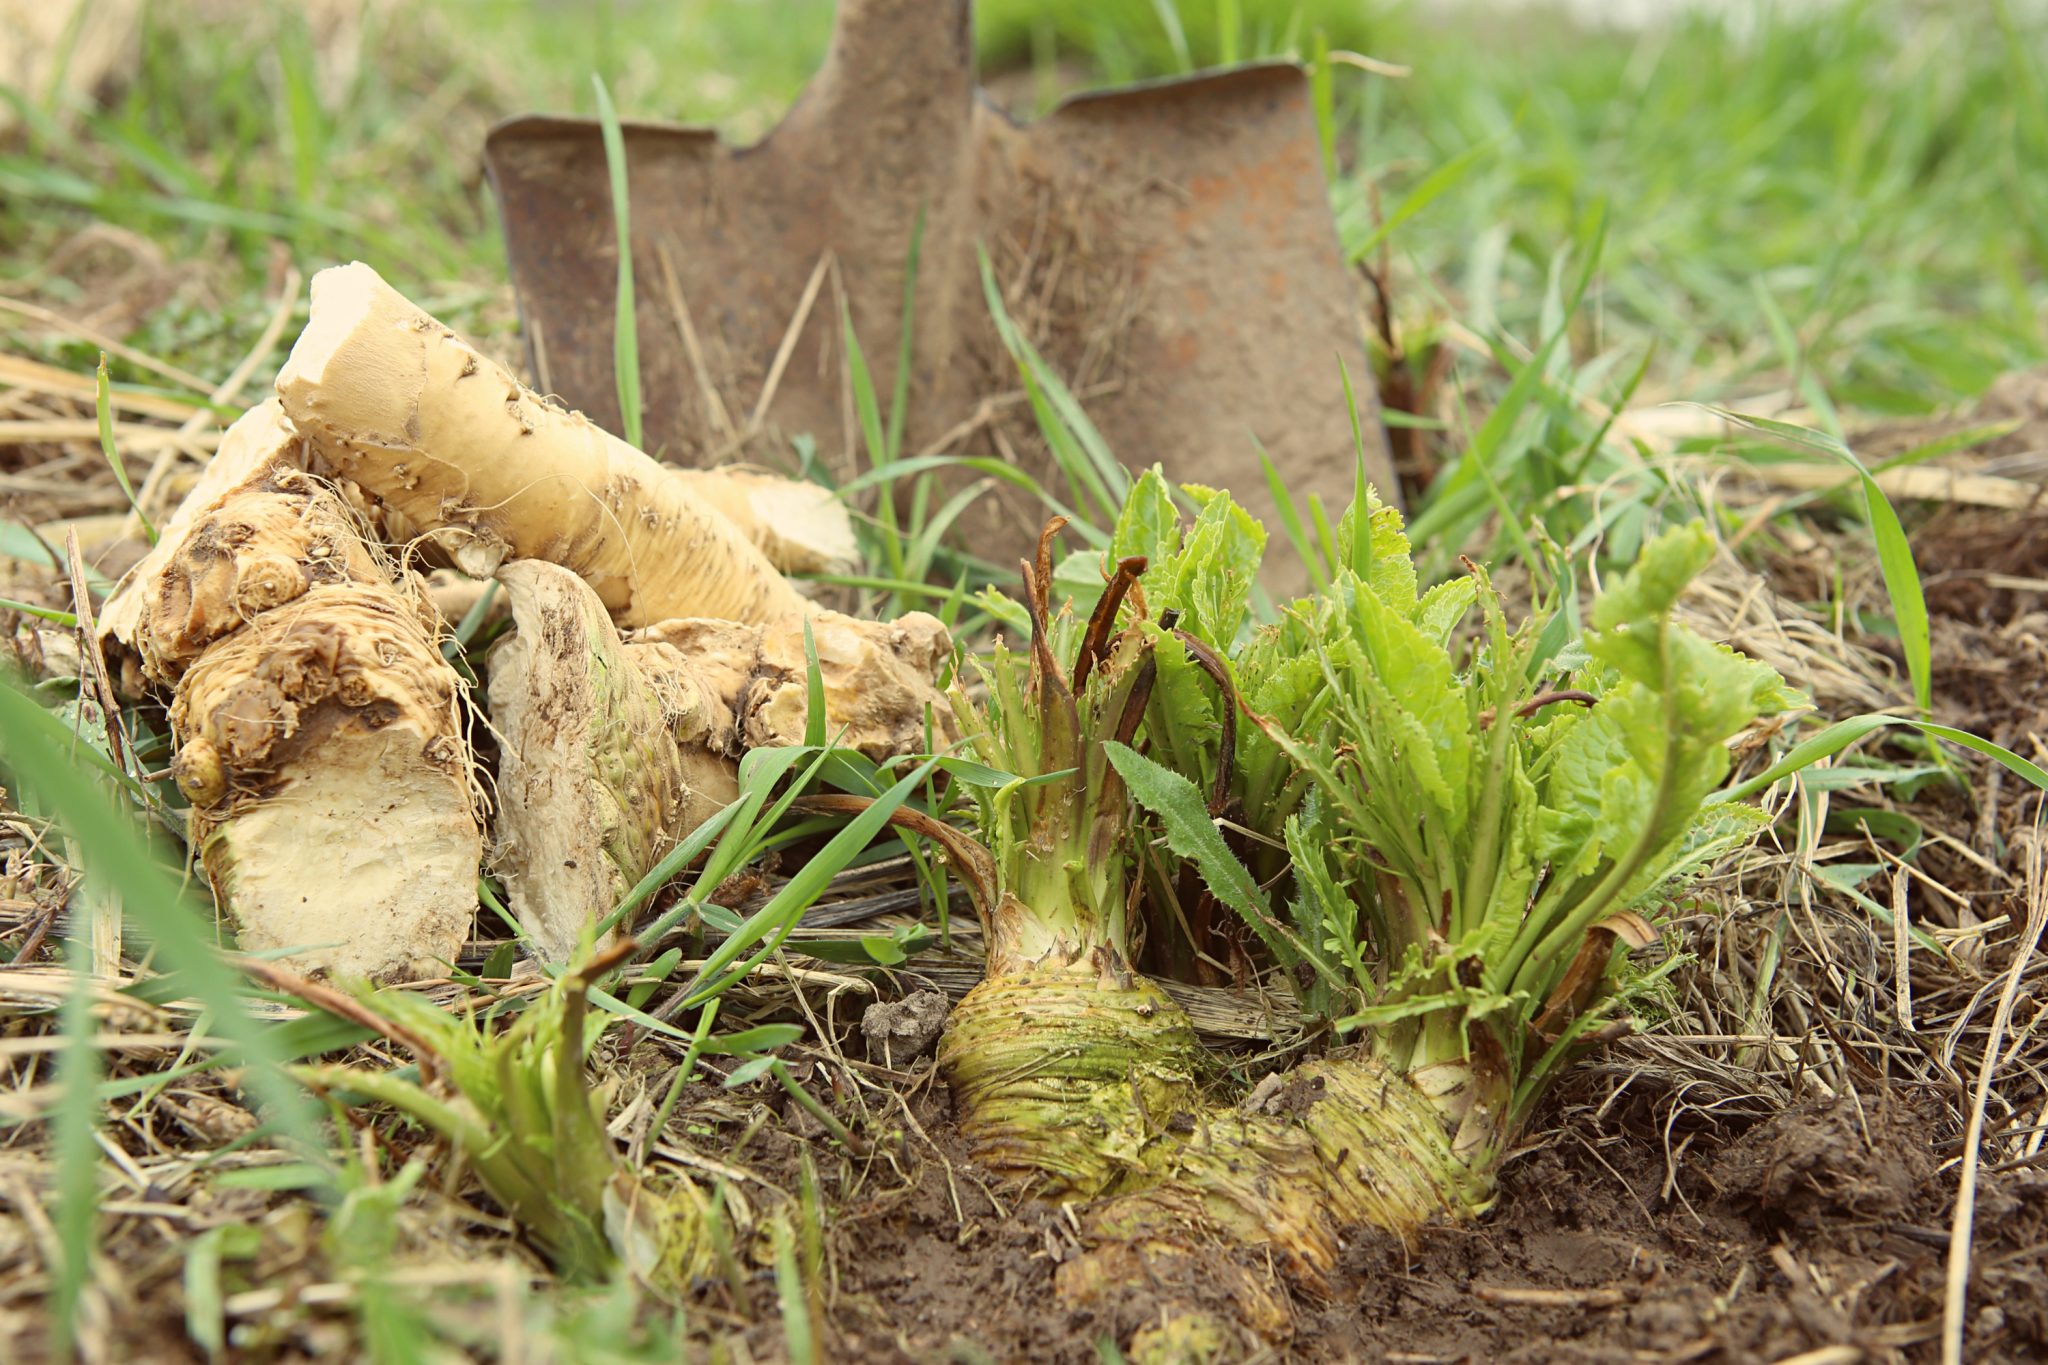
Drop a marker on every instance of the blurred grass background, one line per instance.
(1844, 199)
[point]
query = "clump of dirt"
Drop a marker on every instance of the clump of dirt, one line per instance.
(1807, 1166)
(947, 1265)
(898, 1032)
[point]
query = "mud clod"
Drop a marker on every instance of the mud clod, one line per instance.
(1809, 1166)
(898, 1032)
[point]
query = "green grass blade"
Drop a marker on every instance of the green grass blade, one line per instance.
(1322, 91)
(1842, 734)
(899, 397)
(205, 1303)
(1894, 551)
(103, 404)
(50, 614)
(798, 1337)
(1432, 188)
(1290, 520)
(1083, 456)
(74, 1134)
(1176, 36)
(814, 685)
(1361, 504)
(772, 923)
(625, 329)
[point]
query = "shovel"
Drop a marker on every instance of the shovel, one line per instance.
(1168, 248)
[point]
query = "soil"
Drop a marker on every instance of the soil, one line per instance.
(1823, 1226)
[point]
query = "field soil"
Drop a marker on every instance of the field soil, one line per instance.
(1822, 1227)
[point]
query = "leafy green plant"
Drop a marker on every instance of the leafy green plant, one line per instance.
(1490, 821)
(1444, 832)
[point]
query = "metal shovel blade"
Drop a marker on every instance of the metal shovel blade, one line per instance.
(1167, 247)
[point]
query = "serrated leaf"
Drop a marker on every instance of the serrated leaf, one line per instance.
(1149, 523)
(1189, 830)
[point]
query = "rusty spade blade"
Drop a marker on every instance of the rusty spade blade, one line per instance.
(1168, 247)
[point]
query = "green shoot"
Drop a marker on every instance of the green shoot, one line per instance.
(103, 405)
(625, 330)
(1894, 550)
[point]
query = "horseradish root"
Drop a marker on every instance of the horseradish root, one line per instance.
(613, 751)
(800, 526)
(880, 678)
(319, 739)
(392, 401)
(604, 763)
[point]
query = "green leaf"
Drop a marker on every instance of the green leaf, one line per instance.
(1149, 523)
(1389, 566)
(883, 949)
(1190, 831)
(1211, 578)
(748, 1042)
(747, 1072)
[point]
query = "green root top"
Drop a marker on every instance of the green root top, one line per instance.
(1070, 1073)
(1088, 1082)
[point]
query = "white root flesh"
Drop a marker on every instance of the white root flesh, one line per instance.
(393, 401)
(319, 733)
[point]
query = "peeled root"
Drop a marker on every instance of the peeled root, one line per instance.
(393, 401)
(880, 678)
(800, 526)
(254, 532)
